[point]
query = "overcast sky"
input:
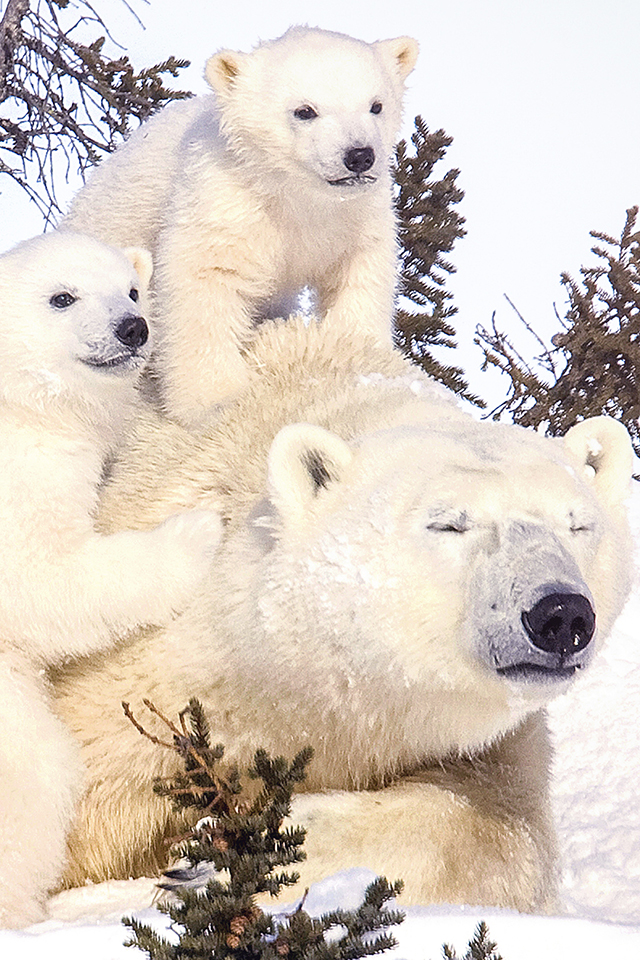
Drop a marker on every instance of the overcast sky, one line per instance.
(542, 98)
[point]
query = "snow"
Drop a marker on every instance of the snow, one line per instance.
(596, 787)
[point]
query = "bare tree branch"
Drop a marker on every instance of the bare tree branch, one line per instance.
(63, 102)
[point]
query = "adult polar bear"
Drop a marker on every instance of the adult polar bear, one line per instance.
(280, 181)
(368, 598)
(73, 343)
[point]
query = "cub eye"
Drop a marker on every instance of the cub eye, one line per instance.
(62, 300)
(134, 295)
(376, 107)
(305, 113)
(451, 524)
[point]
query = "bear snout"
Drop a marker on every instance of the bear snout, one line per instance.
(133, 332)
(561, 624)
(359, 159)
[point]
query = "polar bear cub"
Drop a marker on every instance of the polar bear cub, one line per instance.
(73, 342)
(280, 181)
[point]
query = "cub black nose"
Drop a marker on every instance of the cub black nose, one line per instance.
(133, 331)
(359, 159)
(560, 623)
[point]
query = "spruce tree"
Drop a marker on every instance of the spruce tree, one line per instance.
(481, 947)
(429, 226)
(592, 366)
(244, 842)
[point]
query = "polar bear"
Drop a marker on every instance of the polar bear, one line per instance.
(73, 343)
(399, 585)
(278, 182)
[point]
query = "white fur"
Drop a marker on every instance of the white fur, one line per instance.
(380, 547)
(243, 204)
(69, 369)
(40, 782)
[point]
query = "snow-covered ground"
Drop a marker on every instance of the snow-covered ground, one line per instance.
(596, 728)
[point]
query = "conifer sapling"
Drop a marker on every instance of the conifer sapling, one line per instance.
(244, 843)
(481, 947)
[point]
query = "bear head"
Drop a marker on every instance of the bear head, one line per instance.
(438, 581)
(326, 103)
(72, 319)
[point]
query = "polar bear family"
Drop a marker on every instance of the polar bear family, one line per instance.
(399, 585)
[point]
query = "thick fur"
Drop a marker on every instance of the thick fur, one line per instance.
(352, 608)
(73, 343)
(244, 203)
(40, 784)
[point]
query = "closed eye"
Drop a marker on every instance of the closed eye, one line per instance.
(450, 524)
(580, 524)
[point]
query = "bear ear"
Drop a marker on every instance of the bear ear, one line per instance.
(222, 69)
(603, 446)
(304, 459)
(142, 263)
(402, 52)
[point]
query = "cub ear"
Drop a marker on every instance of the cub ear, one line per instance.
(603, 448)
(304, 459)
(402, 52)
(142, 263)
(222, 69)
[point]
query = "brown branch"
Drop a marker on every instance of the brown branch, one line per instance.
(10, 33)
(203, 766)
(141, 729)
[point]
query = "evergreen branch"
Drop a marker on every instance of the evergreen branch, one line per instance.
(594, 360)
(244, 843)
(481, 947)
(428, 228)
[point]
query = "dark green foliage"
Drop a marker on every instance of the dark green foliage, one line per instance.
(429, 226)
(480, 947)
(304, 937)
(64, 103)
(245, 842)
(593, 364)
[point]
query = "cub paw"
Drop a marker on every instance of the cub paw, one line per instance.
(197, 532)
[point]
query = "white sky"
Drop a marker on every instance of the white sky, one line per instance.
(542, 98)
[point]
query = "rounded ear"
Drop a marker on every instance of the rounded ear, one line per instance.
(142, 263)
(303, 461)
(222, 69)
(603, 448)
(402, 52)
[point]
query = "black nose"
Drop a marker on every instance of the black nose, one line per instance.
(560, 623)
(133, 331)
(359, 159)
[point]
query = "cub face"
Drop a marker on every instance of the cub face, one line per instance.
(474, 570)
(72, 315)
(321, 104)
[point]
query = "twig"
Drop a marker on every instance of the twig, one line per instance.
(141, 729)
